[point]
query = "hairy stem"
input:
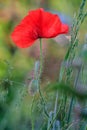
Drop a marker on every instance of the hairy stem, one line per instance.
(41, 69)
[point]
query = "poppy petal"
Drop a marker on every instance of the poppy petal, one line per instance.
(64, 28)
(51, 25)
(26, 32)
(21, 37)
(37, 24)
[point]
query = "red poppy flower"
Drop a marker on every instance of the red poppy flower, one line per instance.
(37, 24)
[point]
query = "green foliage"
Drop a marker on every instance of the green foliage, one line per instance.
(67, 90)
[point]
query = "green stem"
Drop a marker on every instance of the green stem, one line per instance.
(71, 102)
(32, 112)
(41, 59)
(55, 109)
(41, 69)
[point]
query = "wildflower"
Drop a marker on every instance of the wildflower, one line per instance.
(37, 24)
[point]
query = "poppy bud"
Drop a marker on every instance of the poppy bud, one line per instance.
(33, 87)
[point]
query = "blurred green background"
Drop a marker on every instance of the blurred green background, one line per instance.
(16, 65)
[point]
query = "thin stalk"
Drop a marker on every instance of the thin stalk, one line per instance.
(41, 69)
(55, 109)
(54, 118)
(72, 99)
(41, 59)
(32, 112)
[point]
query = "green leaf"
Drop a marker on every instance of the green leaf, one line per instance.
(67, 90)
